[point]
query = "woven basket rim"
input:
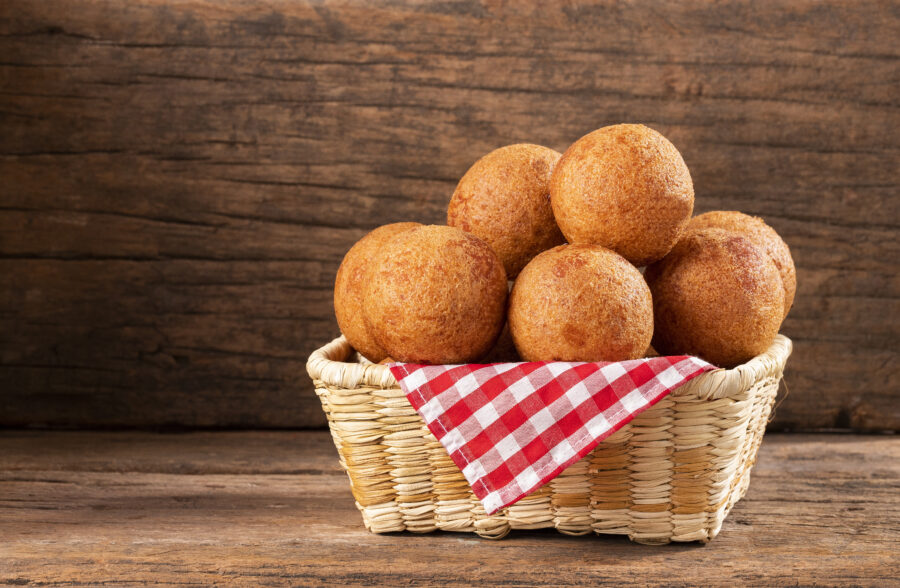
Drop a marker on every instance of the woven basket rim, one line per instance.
(329, 364)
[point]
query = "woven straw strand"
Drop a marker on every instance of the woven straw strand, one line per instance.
(672, 474)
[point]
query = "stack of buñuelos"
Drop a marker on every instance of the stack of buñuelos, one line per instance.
(572, 231)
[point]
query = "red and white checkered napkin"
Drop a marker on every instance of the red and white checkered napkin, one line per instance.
(512, 427)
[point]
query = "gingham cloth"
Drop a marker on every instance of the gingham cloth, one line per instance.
(512, 427)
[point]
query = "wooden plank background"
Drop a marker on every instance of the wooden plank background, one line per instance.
(180, 179)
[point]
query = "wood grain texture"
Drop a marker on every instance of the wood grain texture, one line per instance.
(180, 179)
(274, 508)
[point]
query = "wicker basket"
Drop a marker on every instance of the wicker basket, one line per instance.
(672, 474)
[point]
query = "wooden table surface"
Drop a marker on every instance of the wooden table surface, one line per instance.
(273, 508)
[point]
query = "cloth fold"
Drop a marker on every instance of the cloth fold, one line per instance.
(513, 427)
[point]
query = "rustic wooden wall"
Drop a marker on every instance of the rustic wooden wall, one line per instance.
(179, 179)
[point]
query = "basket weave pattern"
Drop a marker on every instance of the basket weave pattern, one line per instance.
(672, 474)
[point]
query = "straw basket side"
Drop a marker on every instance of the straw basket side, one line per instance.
(672, 474)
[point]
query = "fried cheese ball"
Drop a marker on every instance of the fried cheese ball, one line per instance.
(761, 235)
(580, 303)
(435, 295)
(504, 199)
(625, 187)
(349, 285)
(717, 296)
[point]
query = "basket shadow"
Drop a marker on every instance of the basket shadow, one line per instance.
(550, 539)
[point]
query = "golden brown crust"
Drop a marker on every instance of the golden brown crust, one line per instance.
(761, 235)
(436, 295)
(580, 303)
(625, 187)
(349, 288)
(504, 350)
(716, 295)
(504, 199)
